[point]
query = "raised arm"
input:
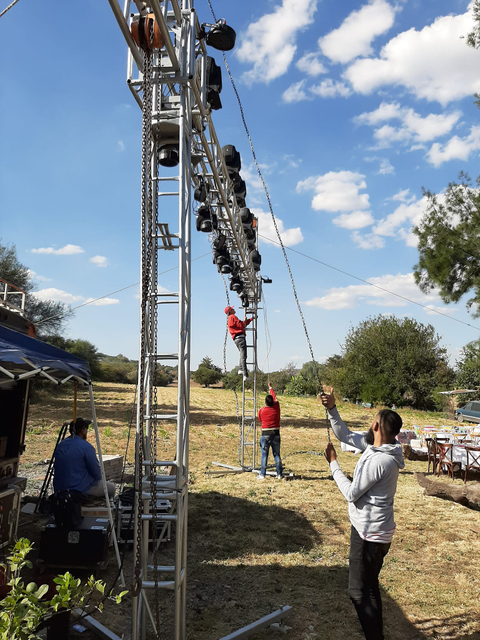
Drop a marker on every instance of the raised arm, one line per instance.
(340, 429)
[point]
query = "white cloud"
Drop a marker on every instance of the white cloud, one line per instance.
(311, 65)
(455, 149)
(296, 93)
(292, 160)
(57, 295)
(400, 284)
(433, 63)
(120, 146)
(290, 237)
(413, 128)
(331, 89)
(35, 276)
(354, 220)
(103, 302)
(403, 196)
(277, 311)
(409, 214)
(270, 41)
(67, 250)
(355, 35)
(99, 261)
(385, 168)
(432, 309)
(337, 191)
(386, 111)
(368, 241)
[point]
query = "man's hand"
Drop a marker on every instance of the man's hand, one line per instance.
(330, 453)
(328, 400)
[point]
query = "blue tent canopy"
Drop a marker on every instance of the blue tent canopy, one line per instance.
(23, 357)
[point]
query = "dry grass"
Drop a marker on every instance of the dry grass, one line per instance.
(255, 546)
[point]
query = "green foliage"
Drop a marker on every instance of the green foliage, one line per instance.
(280, 379)
(80, 348)
(24, 607)
(207, 373)
(48, 316)
(448, 239)
(468, 370)
(387, 360)
(307, 382)
(473, 38)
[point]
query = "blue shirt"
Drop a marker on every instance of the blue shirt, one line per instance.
(76, 465)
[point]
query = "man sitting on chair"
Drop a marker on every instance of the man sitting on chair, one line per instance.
(76, 465)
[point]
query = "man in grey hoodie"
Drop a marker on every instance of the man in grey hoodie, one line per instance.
(370, 506)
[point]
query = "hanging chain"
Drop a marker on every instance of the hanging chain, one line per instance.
(145, 194)
(267, 195)
(154, 372)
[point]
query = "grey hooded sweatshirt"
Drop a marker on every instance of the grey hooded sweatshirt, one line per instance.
(370, 495)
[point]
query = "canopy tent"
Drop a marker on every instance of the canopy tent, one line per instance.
(22, 357)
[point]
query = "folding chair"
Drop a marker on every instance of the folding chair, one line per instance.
(473, 460)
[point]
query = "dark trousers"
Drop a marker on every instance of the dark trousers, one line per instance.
(365, 561)
(241, 344)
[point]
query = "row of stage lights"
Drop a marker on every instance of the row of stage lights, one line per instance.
(148, 37)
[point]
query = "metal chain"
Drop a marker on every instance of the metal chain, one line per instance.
(8, 8)
(267, 195)
(154, 345)
(145, 192)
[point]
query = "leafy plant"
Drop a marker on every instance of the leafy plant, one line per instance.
(24, 608)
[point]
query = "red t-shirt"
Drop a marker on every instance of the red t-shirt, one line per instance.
(236, 326)
(270, 416)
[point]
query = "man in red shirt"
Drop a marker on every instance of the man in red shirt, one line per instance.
(269, 416)
(237, 331)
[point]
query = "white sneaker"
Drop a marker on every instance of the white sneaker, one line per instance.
(245, 377)
(279, 476)
(260, 477)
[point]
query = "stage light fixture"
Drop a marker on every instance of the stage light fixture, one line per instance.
(168, 155)
(206, 219)
(220, 36)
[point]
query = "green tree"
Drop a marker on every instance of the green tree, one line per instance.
(207, 373)
(387, 360)
(448, 239)
(80, 348)
(49, 317)
(280, 379)
(468, 369)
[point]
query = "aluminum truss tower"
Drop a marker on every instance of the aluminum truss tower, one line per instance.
(168, 80)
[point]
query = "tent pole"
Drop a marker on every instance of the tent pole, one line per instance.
(104, 480)
(75, 388)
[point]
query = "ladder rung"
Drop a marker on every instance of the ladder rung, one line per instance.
(161, 463)
(167, 517)
(169, 569)
(163, 356)
(162, 416)
(167, 193)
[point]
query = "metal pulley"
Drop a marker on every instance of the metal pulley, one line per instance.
(146, 32)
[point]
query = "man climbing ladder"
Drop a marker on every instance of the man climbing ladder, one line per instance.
(237, 331)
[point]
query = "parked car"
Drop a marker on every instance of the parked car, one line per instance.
(470, 412)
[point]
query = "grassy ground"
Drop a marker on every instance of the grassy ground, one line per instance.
(256, 546)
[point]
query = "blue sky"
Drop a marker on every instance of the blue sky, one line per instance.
(352, 108)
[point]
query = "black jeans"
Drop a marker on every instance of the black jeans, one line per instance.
(366, 560)
(241, 344)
